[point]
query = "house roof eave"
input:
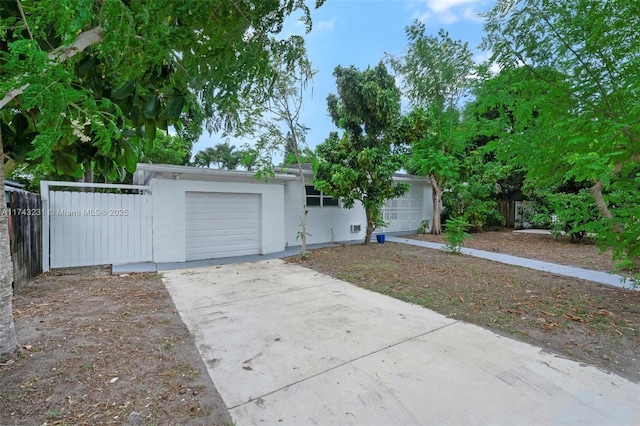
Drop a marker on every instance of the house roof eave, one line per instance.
(145, 172)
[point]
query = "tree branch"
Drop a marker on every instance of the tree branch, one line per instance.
(84, 40)
(24, 19)
(61, 54)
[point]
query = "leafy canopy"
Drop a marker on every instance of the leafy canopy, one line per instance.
(93, 78)
(359, 165)
(574, 65)
(436, 72)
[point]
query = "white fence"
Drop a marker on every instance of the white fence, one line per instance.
(90, 228)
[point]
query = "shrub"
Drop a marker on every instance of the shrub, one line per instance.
(456, 233)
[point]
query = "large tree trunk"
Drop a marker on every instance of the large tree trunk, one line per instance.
(8, 341)
(436, 195)
(370, 227)
(598, 196)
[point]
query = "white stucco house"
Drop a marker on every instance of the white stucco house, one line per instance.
(183, 213)
(201, 213)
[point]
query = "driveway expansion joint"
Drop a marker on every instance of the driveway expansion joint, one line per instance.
(335, 367)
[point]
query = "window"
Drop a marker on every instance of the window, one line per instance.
(318, 199)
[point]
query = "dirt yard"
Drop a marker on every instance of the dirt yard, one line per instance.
(591, 323)
(102, 349)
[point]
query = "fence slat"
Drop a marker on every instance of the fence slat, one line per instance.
(93, 228)
(25, 227)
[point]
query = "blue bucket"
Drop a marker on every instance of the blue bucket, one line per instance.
(380, 238)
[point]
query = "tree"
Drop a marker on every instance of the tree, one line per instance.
(168, 149)
(8, 342)
(359, 165)
(205, 157)
(228, 156)
(582, 57)
(436, 72)
(277, 122)
(210, 51)
(223, 155)
(294, 154)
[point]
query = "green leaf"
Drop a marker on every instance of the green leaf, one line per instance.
(151, 106)
(123, 92)
(130, 157)
(174, 107)
(150, 129)
(66, 163)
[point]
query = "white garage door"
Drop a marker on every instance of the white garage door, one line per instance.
(405, 213)
(222, 225)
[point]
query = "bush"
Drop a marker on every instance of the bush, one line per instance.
(425, 225)
(575, 214)
(456, 233)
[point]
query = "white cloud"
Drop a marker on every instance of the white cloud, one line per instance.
(471, 14)
(324, 26)
(422, 17)
(448, 17)
(481, 57)
(444, 5)
(449, 11)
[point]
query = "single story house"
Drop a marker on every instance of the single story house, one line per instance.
(202, 213)
(183, 213)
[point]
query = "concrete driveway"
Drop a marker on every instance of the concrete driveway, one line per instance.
(287, 345)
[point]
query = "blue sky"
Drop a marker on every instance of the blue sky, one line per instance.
(360, 32)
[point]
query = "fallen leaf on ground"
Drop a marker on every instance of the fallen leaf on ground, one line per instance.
(573, 317)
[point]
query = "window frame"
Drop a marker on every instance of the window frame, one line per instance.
(320, 197)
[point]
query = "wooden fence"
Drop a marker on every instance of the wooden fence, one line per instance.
(25, 232)
(507, 209)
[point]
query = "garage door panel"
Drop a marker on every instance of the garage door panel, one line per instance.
(230, 220)
(222, 225)
(233, 234)
(404, 213)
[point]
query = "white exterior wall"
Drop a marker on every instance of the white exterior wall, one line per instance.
(169, 218)
(325, 224)
(415, 206)
(427, 202)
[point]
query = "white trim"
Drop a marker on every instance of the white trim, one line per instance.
(146, 171)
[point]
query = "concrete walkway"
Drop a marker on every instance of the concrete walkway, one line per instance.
(286, 345)
(567, 271)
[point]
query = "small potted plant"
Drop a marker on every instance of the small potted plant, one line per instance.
(380, 224)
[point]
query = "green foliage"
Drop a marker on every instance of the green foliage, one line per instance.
(436, 68)
(294, 155)
(97, 79)
(222, 155)
(167, 149)
(275, 119)
(436, 72)
(359, 165)
(472, 195)
(569, 76)
(456, 233)
(575, 214)
(424, 226)
(536, 215)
